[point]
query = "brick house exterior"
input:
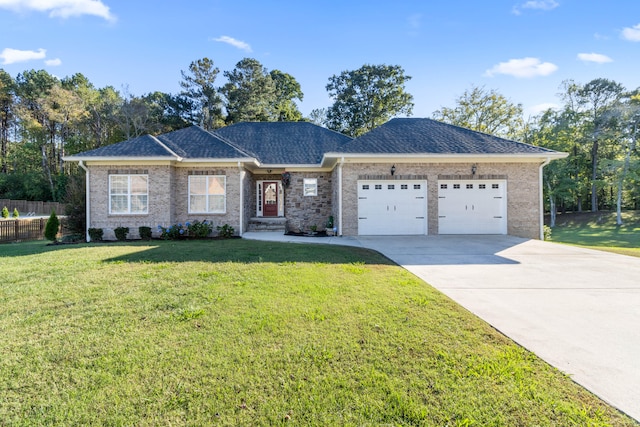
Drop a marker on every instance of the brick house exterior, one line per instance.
(303, 174)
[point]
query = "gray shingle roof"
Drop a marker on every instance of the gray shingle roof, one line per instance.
(142, 146)
(196, 143)
(284, 142)
(189, 143)
(426, 136)
(303, 143)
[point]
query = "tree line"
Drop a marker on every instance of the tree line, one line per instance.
(598, 124)
(43, 118)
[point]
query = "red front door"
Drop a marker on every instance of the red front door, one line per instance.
(270, 199)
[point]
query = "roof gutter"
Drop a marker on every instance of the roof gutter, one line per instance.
(88, 200)
(339, 231)
(541, 196)
(241, 179)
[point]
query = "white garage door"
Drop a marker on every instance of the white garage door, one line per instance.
(392, 207)
(472, 207)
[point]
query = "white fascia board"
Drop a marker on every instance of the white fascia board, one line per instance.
(444, 158)
(119, 159)
(221, 160)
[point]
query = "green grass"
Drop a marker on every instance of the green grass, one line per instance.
(599, 231)
(257, 333)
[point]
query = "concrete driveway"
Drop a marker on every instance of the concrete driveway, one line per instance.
(578, 309)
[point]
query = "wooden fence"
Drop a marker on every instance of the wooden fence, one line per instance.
(26, 208)
(21, 230)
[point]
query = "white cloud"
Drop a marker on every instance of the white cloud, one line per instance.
(536, 5)
(524, 68)
(415, 21)
(631, 34)
(233, 42)
(53, 62)
(11, 56)
(61, 8)
(594, 57)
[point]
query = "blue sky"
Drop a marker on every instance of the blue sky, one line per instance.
(524, 49)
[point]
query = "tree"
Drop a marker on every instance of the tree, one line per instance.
(287, 89)
(318, 116)
(199, 87)
(7, 99)
(596, 98)
(52, 227)
(549, 130)
(366, 98)
(627, 116)
(250, 93)
(484, 111)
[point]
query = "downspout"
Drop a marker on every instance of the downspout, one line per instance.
(88, 200)
(241, 176)
(541, 197)
(340, 162)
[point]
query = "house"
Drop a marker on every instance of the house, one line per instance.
(408, 176)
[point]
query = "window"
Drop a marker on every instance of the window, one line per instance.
(469, 186)
(207, 194)
(416, 186)
(482, 186)
(128, 194)
(456, 186)
(404, 187)
(378, 187)
(443, 186)
(310, 186)
(365, 186)
(391, 187)
(495, 186)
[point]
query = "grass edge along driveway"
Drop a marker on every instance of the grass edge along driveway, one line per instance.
(257, 333)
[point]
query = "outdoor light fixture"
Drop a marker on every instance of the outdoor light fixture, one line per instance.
(474, 168)
(393, 169)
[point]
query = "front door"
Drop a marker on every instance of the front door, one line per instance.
(270, 198)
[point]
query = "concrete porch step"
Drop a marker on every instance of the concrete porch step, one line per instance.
(267, 224)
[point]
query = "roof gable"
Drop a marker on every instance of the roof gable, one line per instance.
(142, 146)
(284, 143)
(426, 136)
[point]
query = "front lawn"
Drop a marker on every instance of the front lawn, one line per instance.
(254, 333)
(598, 230)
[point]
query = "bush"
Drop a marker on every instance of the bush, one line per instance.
(173, 232)
(16, 214)
(199, 230)
(121, 233)
(546, 232)
(52, 227)
(145, 232)
(5, 212)
(95, 234)
(225, 231)
(75, 207)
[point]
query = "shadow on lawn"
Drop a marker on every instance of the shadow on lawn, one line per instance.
(246, 251)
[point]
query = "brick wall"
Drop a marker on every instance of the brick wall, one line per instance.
(523, 205)
(168, 199)
(160, 204)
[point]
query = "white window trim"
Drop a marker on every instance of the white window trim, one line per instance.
(207, 210)
(128, 212)
(311, 183)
